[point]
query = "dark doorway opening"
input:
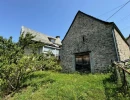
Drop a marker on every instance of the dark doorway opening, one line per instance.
(82, 62)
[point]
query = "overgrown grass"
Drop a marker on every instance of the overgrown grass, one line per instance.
(43, 85)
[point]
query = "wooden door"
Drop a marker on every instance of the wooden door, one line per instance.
(83, 62)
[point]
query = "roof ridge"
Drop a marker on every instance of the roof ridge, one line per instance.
(39, 36)
(94, 17)
(24, 27)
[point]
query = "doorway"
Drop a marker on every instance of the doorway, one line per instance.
(82, 62)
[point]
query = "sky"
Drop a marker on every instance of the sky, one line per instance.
(54, 17)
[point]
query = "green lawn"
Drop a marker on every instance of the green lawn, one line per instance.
(43, 85)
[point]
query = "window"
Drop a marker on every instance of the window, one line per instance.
(47, 49)
(57, 52)
(51, 40)
(83, 38)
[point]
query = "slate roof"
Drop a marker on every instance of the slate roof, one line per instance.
(40, 36)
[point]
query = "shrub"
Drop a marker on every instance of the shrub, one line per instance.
(47, 62)
(14, 65)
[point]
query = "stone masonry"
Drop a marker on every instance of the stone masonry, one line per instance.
(122, 48)
(98, 40)
(128, 40)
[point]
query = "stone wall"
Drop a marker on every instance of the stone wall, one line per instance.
(98, 40)
(128, 40)
(123, 48)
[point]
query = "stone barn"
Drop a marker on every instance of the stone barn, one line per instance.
(90, 44)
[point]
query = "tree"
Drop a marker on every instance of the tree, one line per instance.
(14, 64)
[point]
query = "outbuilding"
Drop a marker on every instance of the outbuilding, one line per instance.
(91, 44)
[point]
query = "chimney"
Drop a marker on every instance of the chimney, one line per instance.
(57, 36)
(58, 41)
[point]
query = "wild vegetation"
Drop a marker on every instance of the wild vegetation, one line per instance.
(48, 85)
(37, 77)
(121, 75)
(15, 65)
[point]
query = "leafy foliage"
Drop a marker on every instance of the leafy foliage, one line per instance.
(48, 62)
(15, 65)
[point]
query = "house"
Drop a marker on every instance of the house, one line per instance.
(90, 44)
(50, 43)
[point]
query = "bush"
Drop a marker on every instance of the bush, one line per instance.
(14, 65)
(49, 62)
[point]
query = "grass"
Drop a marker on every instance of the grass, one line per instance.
(44, 85)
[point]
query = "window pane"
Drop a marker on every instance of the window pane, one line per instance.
(46, 49)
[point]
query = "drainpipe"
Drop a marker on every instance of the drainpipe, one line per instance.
(115, 43)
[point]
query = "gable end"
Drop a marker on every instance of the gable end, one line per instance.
(79, 12)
